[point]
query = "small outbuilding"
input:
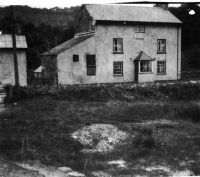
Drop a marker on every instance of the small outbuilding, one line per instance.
(7, 71)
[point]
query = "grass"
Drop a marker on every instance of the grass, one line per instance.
(40, 129)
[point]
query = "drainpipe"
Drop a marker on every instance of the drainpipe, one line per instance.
(178, 51)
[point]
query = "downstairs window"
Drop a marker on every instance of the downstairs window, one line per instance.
(145, 66)
(118, 68)
(161, 67)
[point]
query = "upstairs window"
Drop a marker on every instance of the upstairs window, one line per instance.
(161, 46)
(118, 68)
(161, 67)
(75, 58)
(117, 45)
(91, 65)
(145, 66)
(140, 29)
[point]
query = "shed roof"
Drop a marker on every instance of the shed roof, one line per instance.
(130, 13)
(66, 45)
(6, 41)
(39, 69)
(143, 56)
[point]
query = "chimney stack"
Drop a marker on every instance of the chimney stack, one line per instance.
(162, 5)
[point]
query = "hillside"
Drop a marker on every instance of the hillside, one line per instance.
(55, 17)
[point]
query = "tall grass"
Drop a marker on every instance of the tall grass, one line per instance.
(190, 111)
(125, 91)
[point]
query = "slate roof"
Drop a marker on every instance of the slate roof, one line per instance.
(130, 13)
(66, 45)
(144, 56)
(6, 41)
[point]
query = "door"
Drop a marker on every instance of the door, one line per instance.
(136, 70)
(91, 65)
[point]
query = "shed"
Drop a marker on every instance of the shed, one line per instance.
(7, 72)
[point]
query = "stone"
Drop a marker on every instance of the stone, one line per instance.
(65, 169)
(75, 174)
(118, 163)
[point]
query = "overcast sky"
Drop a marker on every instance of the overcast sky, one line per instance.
(64, 3)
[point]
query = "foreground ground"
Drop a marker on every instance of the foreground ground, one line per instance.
(143, 137)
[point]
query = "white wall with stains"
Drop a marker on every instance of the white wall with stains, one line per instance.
(7, 72)
(102, 46)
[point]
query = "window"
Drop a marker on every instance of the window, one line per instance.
(91, 65)
(75, 58)
(161, 67)
(140, 29)
(161, 46)
(117, 45)
(118, 68)
(145, 66)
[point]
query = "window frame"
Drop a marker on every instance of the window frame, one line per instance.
(158, 50)
(138, 30)
(121, 70)
(75, 60)
(161, 73)
(144, 72)
(88, 67)
(118, 52)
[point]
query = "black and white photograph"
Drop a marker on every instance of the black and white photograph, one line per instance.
(105, 88)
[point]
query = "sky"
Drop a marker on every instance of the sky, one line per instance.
(67, 3)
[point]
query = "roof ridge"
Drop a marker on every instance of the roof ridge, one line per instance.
(132, 13)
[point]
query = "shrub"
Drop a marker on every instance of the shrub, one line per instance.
(143, 141)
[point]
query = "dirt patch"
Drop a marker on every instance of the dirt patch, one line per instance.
(11, 170)
(100, 137)
(49, 171)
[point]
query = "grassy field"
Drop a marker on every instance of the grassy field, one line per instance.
(163, 135)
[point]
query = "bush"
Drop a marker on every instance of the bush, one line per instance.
(143, 141)
(177, 90)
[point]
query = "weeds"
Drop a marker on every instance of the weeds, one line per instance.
(40, 129)
(177, 90)
(191, 111)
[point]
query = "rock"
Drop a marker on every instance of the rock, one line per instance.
(118, 163)
(100, 138)
(75, 174)
(65, 169)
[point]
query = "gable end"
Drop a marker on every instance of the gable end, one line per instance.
(84, 22)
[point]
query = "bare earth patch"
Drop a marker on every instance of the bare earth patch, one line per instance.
(50, 171)
(100, 137)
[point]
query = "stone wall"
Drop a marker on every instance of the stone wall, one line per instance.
(7, 74)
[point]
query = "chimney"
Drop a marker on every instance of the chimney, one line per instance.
(162, 5)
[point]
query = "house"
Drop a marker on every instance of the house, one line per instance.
(118, 43)
(7, 72)
(40, 73)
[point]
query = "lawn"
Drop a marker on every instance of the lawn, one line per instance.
(162, 135)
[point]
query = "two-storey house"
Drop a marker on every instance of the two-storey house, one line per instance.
(118, 43)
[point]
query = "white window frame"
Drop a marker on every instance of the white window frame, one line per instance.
(161, 47)
(121, 68)
(151, 63)
(118, 45)
(162, 69)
